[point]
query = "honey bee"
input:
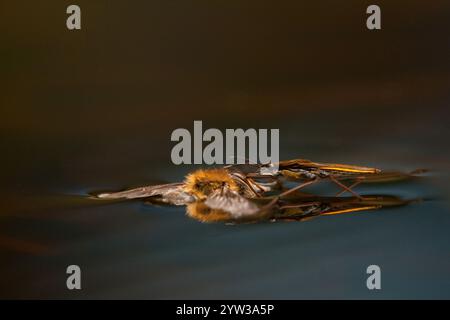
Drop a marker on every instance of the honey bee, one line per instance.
(217, 188)
(248, 191)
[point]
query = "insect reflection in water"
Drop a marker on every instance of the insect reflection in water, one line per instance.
(258, 192)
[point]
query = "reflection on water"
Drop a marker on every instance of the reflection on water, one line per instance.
(243, 194)
(294, 209)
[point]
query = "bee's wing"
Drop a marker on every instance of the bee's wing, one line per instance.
(300, 169)
(230, 201)
(392, 176)
(332, 167)
(245, 169)
(170, 193)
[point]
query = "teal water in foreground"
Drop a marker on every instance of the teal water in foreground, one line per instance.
(133, 250)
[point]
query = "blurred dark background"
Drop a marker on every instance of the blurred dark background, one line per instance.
(94, 109)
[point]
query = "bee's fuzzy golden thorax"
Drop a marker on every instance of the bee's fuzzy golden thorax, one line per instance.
(202, 183)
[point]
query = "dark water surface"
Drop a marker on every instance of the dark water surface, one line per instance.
(94, 110)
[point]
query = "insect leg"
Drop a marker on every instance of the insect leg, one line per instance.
(349, 187)
(285, 193)
(344, 187)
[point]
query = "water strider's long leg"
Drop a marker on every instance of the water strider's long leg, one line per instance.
(349, 187)
(344, 187)
(285, 193)
(307, 183)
